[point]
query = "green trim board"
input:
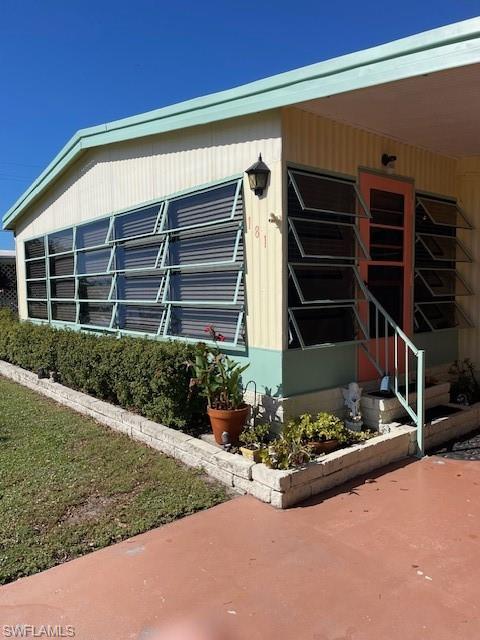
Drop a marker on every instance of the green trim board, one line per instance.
(438, 351)
(132, 283)
(304, 371)
(447, 47)
(265, 365)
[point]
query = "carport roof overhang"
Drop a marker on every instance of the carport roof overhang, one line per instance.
(337, 88)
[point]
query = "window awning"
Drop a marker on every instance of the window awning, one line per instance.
(443, 282)
(328, 194)
(328, 240)
(444, 213)
(444, 248)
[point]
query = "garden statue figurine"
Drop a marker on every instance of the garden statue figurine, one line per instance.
(351, 396)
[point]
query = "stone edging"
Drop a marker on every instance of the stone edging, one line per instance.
(282, 489)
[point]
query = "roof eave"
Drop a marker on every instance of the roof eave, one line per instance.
(440, 49)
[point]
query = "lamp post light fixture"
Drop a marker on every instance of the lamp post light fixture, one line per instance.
(258, 176)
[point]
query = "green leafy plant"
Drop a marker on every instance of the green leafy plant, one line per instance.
(255, 437)
(141, 375)
(216, 375)
(285, 453)
(464, 387)
(325, 426)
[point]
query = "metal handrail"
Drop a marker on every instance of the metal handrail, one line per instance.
(385, 368)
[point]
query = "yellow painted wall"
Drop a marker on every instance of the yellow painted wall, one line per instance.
(321, 143)
(318, 142)
(123, 175)
(468, 190)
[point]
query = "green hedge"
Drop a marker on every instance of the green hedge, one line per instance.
(141, 375)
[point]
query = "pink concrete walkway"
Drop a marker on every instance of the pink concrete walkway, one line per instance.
(393, 558)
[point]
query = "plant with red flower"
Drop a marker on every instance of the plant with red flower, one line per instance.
(216, 375)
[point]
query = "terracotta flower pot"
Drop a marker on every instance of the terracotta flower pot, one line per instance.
(323, 446)
(230, 420)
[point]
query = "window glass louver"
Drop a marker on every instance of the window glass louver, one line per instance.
(166, 269)
(327, 194)
(437, 252)
(60, 242)
(324, 248)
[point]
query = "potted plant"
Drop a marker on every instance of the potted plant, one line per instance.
(286, 452)
(323, 434)
(253, 440)
(219, 379)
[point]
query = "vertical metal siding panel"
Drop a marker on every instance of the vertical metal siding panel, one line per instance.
(21, 284)
(124, 175)
(468, 193)
(315, 141)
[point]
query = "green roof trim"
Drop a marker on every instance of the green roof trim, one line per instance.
(448, 47)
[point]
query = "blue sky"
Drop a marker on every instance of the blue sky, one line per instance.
(70, 64)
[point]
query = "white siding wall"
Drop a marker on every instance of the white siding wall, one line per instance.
(123, 175)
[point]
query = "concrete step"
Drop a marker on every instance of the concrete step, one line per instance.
(444, 422)
(379, 410)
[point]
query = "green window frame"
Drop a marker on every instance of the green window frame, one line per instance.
(147, 271)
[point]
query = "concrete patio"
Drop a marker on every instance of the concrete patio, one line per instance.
(393, 556)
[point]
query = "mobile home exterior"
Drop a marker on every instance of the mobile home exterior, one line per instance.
(365, 240)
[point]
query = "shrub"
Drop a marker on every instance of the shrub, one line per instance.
(139, 374)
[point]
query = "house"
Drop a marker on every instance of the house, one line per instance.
(8, 280)
(356, 261)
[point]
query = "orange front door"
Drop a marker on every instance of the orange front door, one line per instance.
(388, 274)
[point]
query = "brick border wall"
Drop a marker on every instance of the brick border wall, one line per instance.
(282, 489)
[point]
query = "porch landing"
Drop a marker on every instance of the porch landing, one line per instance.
(394, 556)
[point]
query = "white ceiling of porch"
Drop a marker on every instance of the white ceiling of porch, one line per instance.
(439, 111)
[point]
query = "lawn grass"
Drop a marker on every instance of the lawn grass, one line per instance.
(69, 485)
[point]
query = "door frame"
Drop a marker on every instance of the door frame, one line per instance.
(368, 180)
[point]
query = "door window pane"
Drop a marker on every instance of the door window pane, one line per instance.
(386, 244)
(386, 284)
(387, 208)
